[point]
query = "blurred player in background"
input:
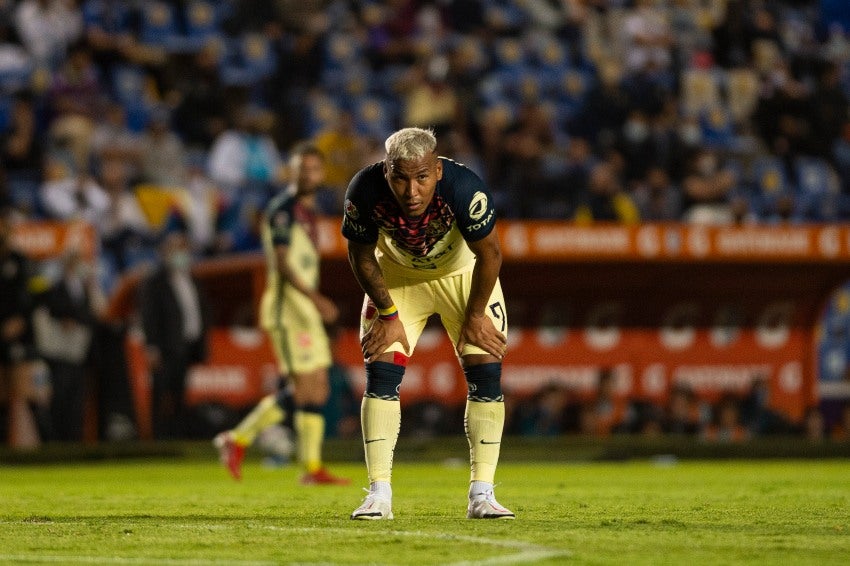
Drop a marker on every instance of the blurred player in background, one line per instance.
(294, 313)
(421, 241)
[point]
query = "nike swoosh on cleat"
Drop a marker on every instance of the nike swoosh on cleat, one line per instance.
(369, 441)
(486, 442)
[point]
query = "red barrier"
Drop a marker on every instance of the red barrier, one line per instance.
(712, 308)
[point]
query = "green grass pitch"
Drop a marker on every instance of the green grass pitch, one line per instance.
(178, 511)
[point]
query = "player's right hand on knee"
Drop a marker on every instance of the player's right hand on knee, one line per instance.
(383, 334)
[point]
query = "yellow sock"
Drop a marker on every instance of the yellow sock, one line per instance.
(310, 431)
(380, 421)
(266, 413)
(484, 423)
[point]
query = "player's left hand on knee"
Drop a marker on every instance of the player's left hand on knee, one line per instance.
(478, 330)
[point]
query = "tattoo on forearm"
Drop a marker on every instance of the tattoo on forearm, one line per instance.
(372, 280)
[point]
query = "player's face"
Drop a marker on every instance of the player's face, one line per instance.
(413, 182)
(311, 172)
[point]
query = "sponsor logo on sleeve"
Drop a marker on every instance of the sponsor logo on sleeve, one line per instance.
(351, 210)
(478, 206)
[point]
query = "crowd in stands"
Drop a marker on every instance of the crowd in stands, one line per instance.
(135, 115)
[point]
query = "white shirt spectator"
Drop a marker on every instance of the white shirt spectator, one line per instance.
(75, 198)
(47, 27)
(232, 154)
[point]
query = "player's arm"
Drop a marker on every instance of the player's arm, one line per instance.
(478, 329)
(387, 329)
(327, 309)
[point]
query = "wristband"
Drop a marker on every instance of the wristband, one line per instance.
(388, 313)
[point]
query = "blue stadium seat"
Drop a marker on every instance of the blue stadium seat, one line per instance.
(159, 24)
(374, 116)
(202, 21)
(322, 111)
(342, 50)
(5, 112)
(248, 60)
(818, 186)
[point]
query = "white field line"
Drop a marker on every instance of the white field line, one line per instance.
(523, 552)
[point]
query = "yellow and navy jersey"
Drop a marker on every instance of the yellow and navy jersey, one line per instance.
(286, 221)
(431, 245)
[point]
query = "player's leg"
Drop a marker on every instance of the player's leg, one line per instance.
(231, 444)
(484, 418)
(380, 410)
(310, 397)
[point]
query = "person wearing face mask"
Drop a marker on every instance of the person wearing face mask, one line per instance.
(64, 330)
(175, 322)
(707, 190)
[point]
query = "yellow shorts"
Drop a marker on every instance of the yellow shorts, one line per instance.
(297, 334)
(447, 296)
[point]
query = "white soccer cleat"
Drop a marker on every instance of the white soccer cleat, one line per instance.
(485, 506)
(374, 508)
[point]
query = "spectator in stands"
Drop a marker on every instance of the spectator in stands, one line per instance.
(343, 148)
(726, 426)
(75, 101)
(17, 348)
(657, 198)
(175, 321)
(648, 41)
(162, 153)
(201, 207)
(605, 200)
(21, 147)
(685, 414)
(65, 333)
(113, 138)
(707, 188)
(123, 223)
(428, 98)
(246, 158)
(15, 63)
(608, 412)
(47, 28)
(199, 114)
(78, 197)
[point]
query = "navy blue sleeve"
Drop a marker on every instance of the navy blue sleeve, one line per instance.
(470, 199)
(357, 222)
(279, 219)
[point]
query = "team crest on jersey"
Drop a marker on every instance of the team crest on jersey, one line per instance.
(436, 227)
(478, 206)
(351, 210)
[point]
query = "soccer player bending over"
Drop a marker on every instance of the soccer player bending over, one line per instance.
(293, 312)
(421, 241)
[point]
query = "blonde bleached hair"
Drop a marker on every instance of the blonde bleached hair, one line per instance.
(410, 143)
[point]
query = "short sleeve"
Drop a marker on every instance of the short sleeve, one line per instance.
(279, 221)
(357, 222)
(471, 201)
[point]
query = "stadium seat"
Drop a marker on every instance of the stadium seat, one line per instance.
(374, 116)
(717, 128)
(322, 112)
(202, 20)
(248, 60)
(341, 51)
(5, 112)
(159, 24)
(818, 186)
